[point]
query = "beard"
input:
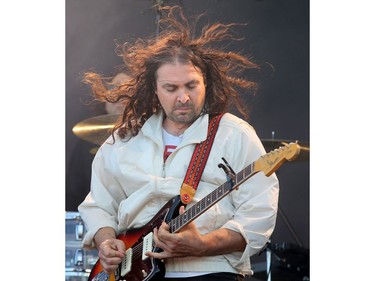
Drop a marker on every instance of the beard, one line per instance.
(184, 114)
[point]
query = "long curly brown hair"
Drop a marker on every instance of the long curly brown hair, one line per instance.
(176, 42)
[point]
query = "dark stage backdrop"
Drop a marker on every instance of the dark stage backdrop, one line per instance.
(277, 37)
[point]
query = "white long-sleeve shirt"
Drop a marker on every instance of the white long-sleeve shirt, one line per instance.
(131, 183)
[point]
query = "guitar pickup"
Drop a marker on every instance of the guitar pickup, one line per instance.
(126, 262)
(147, 244)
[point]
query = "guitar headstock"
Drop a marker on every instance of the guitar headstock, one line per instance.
(271, 161)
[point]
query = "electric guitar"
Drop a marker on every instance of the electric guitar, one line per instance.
(136, 266)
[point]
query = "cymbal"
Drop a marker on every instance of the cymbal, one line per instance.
(271, 144)
(96, 129)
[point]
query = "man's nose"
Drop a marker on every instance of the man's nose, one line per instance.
(182, 96)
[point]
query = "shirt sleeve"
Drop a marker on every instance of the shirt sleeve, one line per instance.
(255, 201)
(101, 213)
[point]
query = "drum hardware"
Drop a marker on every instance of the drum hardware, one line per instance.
(78, 261)
(289, 226)
(290, 260)
(76, 276)
(79, 231)
(284, 262)
(78, 257)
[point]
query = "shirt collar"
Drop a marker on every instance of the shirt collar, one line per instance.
(196, 133)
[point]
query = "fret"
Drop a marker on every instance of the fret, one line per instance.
(172, 225)
(208, 200)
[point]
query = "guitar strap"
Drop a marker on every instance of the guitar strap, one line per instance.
(198, 161)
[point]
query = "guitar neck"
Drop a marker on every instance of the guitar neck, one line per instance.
(267, 163)
(211, 199)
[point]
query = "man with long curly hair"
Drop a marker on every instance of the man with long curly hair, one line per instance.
(178, 83)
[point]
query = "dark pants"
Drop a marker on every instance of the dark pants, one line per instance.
(222, 276)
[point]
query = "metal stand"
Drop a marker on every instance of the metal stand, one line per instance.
(289, 226)
(269, 263)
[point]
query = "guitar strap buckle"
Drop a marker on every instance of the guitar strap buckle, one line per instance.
(187, 193)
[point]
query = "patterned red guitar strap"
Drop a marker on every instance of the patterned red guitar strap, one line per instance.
(198, 161)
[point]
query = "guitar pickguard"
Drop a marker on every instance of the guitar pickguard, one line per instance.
(136, 266)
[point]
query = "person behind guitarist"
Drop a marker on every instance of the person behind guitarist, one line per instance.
(178, 80)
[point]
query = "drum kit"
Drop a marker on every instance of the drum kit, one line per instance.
(79, 261)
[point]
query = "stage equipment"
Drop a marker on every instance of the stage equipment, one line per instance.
(284, 262)
(78, 261)
(96, 129)
(289, 262)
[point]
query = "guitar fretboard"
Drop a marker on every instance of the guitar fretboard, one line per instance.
(211, 199)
